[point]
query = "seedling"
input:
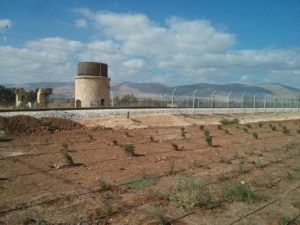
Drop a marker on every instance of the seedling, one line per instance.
(201, 127)
(171, 166)
(285, 130)
(65, 146)
(220, 127)
(255, 135)
(103, 184)
(127, 134)
(208, 140)
(260, 125)
(182, 132)
(206, 132)
(226, 131)
(129, 149)
(68, 158)
(249, 126)
(91, 137)
(222, 177)
(3, 137)
(152, 139)
(114, 142)
(175, 147)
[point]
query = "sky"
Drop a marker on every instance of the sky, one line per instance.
(169, 42)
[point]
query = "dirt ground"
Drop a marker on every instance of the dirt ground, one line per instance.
(107, 185)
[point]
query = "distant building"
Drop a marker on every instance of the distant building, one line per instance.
(92, 85)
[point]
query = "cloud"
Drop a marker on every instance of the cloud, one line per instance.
(176, 50)
(80, 23)
(5, 23)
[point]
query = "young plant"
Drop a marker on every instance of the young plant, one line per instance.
(103, 184)
(285, 130)
(65, 146)
(114, 142)
(226, 131)
(222, 177)
(91, 137)
(229, 121)
(260, 125)
(201, 127)
(129, 149)
(220, 127)
(245, 130)
(208, 140)
(152, 139)
(175, 147)
(255, 135)
(206, 132)
(68, 158)
(249, 126)
(3, 137)
(127, 134)
(298, 131)
(182, 132)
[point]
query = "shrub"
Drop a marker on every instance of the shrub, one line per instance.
(229, 121)
(208, 140)
(240, 191)
(129, 149)
(201, 127)
(255, 135)
(285, 130)
(189, 192)
(175, 147)
(103, 184)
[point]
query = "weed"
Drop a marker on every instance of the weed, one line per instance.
(201, 127)
(274, 128)
(65, 146)
(226, 131)
(241, 168)
(127, 134)
(103, 184)
(208, 140)
(91, 137)
(107, 207)
(189, 192)
(245, 130)
(240, 191)
(129, 149)
(229, 121)
(271, 182)
(3, 137)
(68, 158)
(175, 147)
(114, 142)
(285, 130)
(280, 125)
(255, 135)
(237, 127)
(260, 125)
(140, 181)
(161, 219)
(222, 177)
(220, 127)
(283, 220)
(249, 126)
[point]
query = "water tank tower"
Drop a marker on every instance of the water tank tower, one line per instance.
(92, 85)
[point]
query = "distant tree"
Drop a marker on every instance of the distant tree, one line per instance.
(7, 95)
(31, 95)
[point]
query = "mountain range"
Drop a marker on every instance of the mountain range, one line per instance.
(66, 89)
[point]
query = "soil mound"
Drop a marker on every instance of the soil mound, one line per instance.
(28, 124)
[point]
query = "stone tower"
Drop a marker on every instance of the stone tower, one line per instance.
(92, 85)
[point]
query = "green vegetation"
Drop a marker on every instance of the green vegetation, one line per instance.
(222, 177)
(240, 191)
(129, 149)
(103, 184)
(48, 124)
(175, 147)
(188, 193)
(68, 158)
(208, 140)
(285, 130)
(255, 135)
(140, 181)
(3, 137)
(183, 132)
(114, 142)
(230, 121)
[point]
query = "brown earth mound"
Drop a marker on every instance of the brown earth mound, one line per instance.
(28, 124)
